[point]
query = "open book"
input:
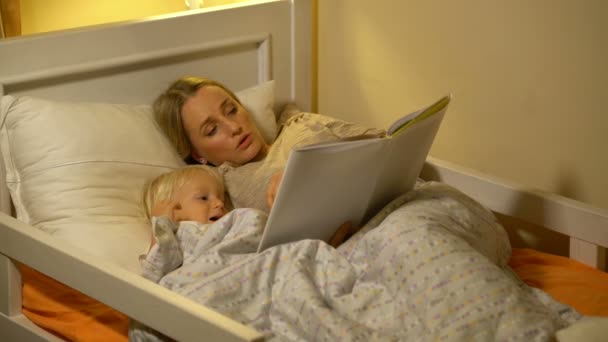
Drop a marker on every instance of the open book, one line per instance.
(327, 184)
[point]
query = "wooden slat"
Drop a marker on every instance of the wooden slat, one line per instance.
(558, 213)
(588, 253)
(10, 287)
(19, 328)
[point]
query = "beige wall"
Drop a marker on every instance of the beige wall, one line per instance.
(528, 77)
(529, 80)
(43, 16)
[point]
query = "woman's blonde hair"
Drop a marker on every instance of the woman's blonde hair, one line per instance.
(168, 109)
(163, 187)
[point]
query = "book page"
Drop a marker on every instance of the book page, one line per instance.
(406, 155)
(419, 115)
(335, 145)
(328, 184)
(402, 122)
(322, 189)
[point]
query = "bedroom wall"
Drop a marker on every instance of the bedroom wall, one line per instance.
(528, 79)
(37, 16)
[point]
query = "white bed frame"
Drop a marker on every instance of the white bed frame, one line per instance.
(242, 45)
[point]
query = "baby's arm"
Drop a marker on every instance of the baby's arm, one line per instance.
(163, 208)
(165, 255)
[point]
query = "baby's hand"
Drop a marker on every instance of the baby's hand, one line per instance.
(165, 208)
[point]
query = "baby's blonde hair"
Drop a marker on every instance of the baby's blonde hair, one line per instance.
(163, 187)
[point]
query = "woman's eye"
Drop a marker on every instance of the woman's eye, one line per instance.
(204, 198)
(231, 110)
(212, 131)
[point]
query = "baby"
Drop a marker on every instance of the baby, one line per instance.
(193, 193)
(196, 193)
(194, 237)
(185, 207)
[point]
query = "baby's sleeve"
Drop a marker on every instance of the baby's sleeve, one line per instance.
(166, 255)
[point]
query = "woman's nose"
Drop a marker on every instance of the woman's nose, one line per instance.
(234, 126)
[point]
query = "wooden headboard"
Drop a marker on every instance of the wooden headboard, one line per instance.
(239, 45)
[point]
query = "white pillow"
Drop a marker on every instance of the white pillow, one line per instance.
(76, 170)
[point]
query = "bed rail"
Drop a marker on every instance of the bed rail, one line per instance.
(127, 292)
(585, 225)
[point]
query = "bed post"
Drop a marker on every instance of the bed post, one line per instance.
(10, 278)
(301, 53)
(5, 197)
(588, 253)
(10, 287)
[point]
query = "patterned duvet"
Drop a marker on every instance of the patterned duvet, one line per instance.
(430, 266)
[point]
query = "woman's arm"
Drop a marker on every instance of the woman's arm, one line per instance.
(273, 188)
(344, 232)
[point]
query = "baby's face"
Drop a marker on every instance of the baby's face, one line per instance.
(200, 199)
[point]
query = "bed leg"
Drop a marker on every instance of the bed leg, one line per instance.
(10, 287)
(588, 253)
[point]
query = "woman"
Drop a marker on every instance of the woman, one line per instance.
(207, 124)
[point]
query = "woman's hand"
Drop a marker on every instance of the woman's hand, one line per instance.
(344, 232)
(273, 188)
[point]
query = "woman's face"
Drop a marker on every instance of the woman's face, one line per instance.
(220, 129)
